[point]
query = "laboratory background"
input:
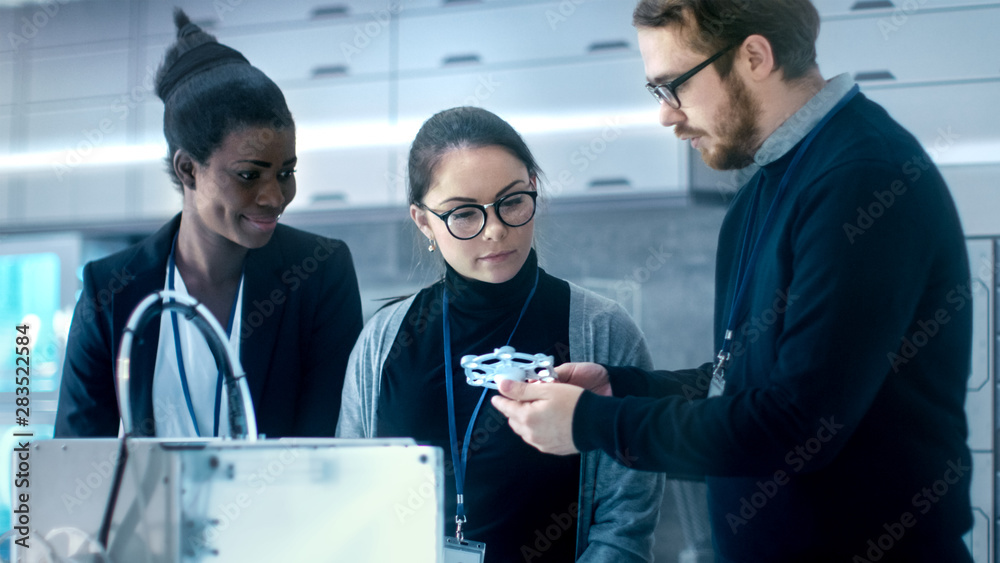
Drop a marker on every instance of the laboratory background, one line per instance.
(629, 211)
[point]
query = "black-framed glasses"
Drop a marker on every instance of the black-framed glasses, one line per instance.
(468, 220)
(667, 93)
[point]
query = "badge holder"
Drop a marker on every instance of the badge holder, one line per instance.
(463, 551)
(460, 550)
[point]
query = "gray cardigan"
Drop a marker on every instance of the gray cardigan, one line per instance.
(618, 507)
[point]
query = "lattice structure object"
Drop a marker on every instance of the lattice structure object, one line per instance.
(507, 363)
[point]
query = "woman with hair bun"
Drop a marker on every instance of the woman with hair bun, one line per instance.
(473, 185)
(288, 299)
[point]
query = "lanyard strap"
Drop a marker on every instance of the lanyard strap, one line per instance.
(747, 263)
(171, 268)
(459, 463)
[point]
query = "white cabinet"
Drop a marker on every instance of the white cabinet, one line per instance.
(828, 7)
(589, 122)
(345, 144)
(330, 102)
(528, 65)
(976, 189)
(531, 32)
(346, 177)
(79, 130)
(360, 76)
(7, 211)
(155, 195)
(6, 123)
(7, 214)
(948, 119)
(922, 46)
(295, 54)
(148, 127)
(10, 39)
(58, 23)
(70, 188)
(610, 160)
(83, 194)
(78, 72)
(220, 15)
(897, 10)
(7, 82)
(959, 131)
(598, 86)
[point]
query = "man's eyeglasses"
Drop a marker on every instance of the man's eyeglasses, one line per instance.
(467, 221)
(667, 93)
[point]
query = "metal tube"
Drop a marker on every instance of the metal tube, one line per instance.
(242, 419)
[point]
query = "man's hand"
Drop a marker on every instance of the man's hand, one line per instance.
(592, 377)
(541, 413)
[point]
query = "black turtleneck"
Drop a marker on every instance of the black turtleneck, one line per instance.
(520, 502)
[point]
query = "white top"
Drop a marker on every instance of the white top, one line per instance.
(170, 410)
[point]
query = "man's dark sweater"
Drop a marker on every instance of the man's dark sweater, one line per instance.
(841, 434)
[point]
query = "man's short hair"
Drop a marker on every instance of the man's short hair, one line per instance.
(791, 26)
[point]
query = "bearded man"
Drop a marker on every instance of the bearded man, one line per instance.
(831, 424)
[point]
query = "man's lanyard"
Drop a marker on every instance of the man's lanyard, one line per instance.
(459, 463)
(171, 268)
(747, 263)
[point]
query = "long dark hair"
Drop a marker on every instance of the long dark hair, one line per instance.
(210, 90)
(460, 128)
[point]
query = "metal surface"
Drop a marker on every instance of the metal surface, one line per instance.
(980, 401)
(236, 501)
(242, 420)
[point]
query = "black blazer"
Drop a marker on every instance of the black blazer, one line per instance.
(301, 315)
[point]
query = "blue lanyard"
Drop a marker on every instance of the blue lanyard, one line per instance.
(171, 267)
(460, 463)
(747, 263)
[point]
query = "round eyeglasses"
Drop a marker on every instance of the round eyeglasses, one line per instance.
(468, 220)
(666, 93)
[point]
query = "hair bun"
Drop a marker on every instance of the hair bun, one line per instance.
(180, 18)
(194, 51)
(184, 24)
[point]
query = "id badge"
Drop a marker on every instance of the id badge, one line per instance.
(463, 551)
(717, 386)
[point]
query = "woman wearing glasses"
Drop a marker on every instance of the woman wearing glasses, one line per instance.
(473, 189)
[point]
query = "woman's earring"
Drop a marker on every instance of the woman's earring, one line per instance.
(431, 247)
